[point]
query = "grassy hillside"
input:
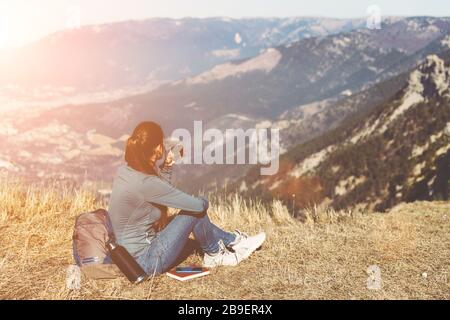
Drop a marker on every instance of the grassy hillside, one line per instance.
(324, 256)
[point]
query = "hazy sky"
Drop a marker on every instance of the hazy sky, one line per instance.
(22, 21)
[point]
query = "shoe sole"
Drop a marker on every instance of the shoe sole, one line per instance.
(254, 248)
(251, 250)
(218, 265)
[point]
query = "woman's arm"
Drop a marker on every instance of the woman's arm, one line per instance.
(166, 173)
(159, 191)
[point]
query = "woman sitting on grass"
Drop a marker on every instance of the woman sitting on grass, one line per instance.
(142, 191)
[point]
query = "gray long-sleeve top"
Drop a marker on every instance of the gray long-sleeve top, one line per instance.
(133, 215)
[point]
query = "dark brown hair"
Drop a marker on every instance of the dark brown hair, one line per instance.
(140, 146)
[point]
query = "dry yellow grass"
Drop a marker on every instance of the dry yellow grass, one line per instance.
(325, 257)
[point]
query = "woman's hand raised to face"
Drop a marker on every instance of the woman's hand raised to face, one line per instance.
(169, 161)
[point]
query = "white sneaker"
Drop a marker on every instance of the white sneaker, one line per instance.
(222, 258)
(244, 245)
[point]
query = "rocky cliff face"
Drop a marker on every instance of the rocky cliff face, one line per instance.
(400, 151)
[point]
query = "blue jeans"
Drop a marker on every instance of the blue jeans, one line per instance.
(168, 244)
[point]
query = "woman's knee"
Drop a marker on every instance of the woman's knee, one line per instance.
(194, 214)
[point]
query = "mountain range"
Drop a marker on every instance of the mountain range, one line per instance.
(397, 152)
(307, 81)
(107, 61)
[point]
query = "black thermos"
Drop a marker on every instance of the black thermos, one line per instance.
(126, 263)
